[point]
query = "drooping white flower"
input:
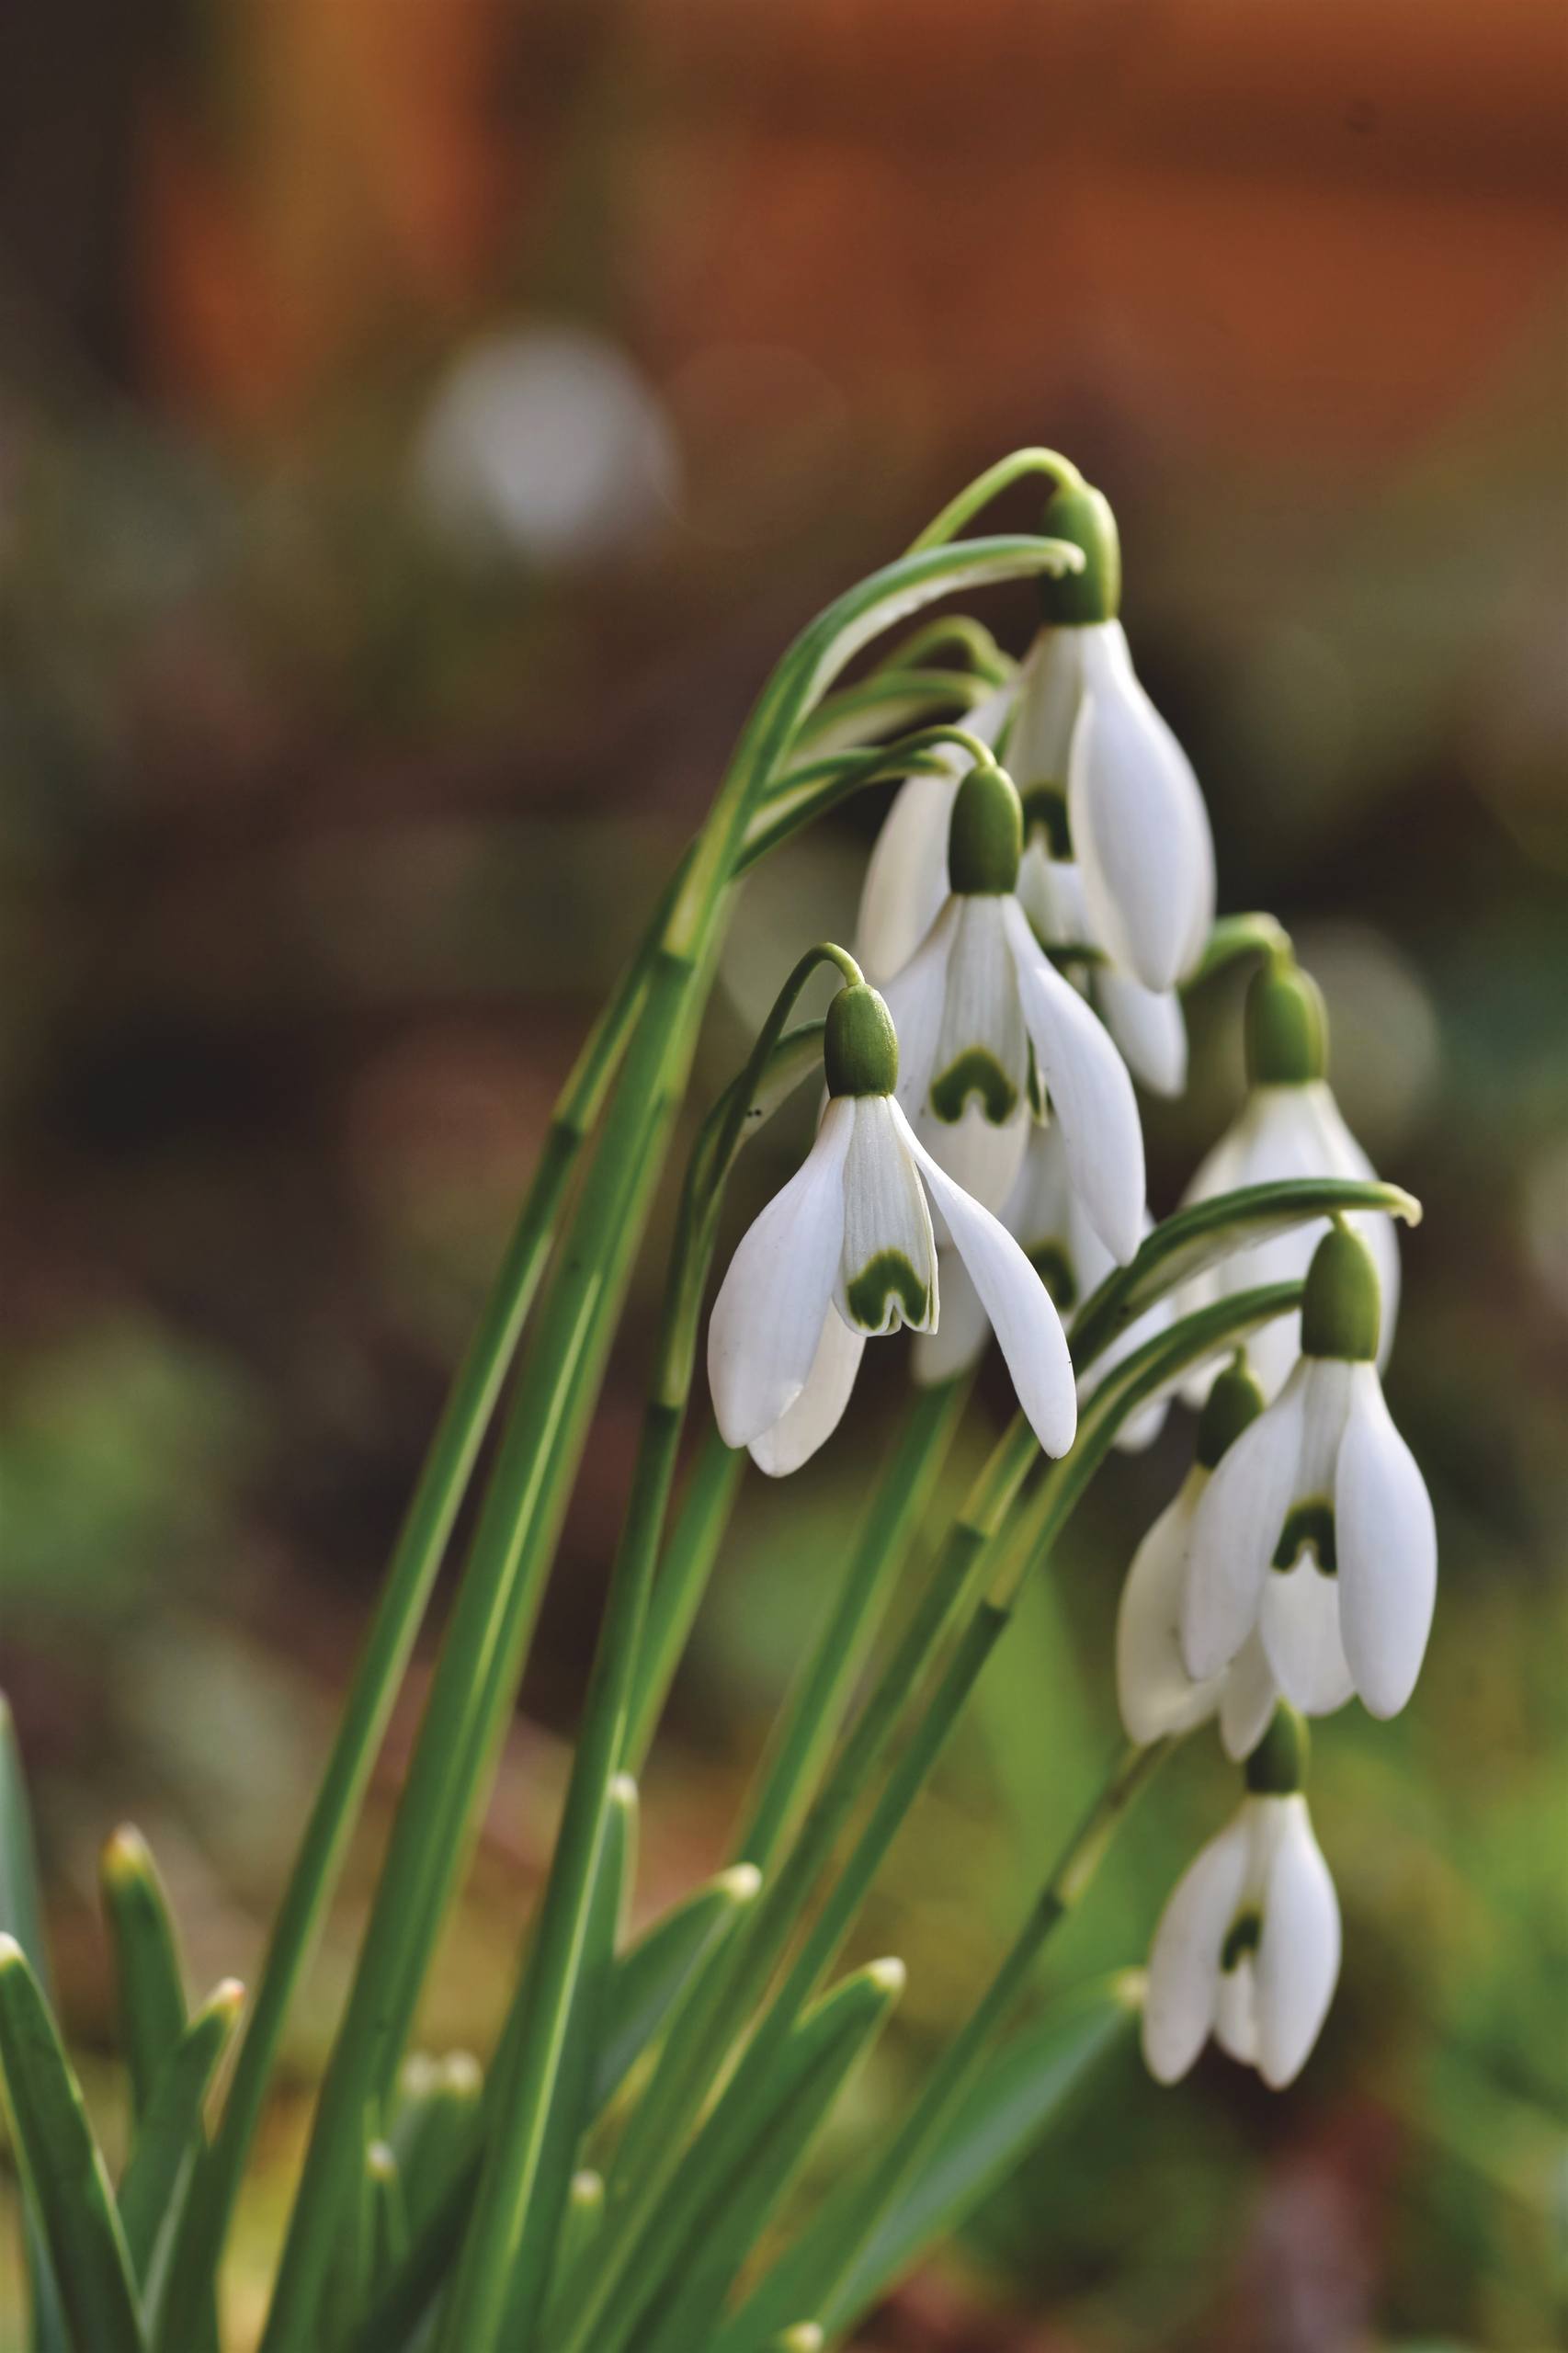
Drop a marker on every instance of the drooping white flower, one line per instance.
(1316, 1530)
(1290, 1126)
(1156, 1695)
(1044, 1214)
(847, 1250)
(1248, 1946)
(1148, 1025)
(1084, 724)
(1077, 724)
(978, 999)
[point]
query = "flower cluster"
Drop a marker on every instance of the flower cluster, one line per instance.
(978, 1169)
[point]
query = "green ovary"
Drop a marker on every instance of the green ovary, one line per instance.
(975, 1072)
(1310, 1528)
(888, 1277)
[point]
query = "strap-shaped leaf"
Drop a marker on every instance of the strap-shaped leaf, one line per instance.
(659, 1967)
(21, 1916)
(1020, 2096)
(169, 2134)
(1193, 1239)
(63, 2168)
(148, 1977)
(817, 2062)
(436, 2131)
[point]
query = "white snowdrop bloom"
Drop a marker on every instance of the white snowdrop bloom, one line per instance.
(1290, 1126)
(848, 1250)
(1084, 725)
(906, 877)
(1156, 1695)
(1316, 1530)
(976, 1002)
(1148, 1025)
(1044, 1214)
(1248, 1946)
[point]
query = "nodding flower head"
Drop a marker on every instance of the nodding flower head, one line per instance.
(847, 1252)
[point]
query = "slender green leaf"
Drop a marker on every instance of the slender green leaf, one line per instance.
(169, 2134)
(63, 2168)
(1196, 1238)
(735, 2178)
(436, 2131)
(1020, 2094)
(389, 2215)
(21, 1916)
(584, 2212)
(148, 1977)
(659, 1967)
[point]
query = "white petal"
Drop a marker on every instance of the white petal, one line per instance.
(906, 879)
(1022, 1316)
(1300, 1629)
(1235, 2012)
(887, 1226)
(768, 1319)
(818, 1410)
(963, 1330)
(1051, 892)
(1090, 1090)
(1247, 1699)
(983, 1159)
(1148, 1025)
(914, 998)
(1050, 689)
(1184, 1960)
(1387, 1543)
(1139, 828)
(981, 1048)
(1235, 1533)
(1297, 1963)
(1154, 1691)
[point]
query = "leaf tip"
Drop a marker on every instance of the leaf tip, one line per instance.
(888, 1977)
(742, 1883)
(126, 1855)
(1130, 1988)
(11, 1952)
(623, 1791)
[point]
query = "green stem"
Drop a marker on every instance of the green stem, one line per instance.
(678, 1588)
(990, 484)
(482, 1655)
(986, 658)
(812, 1714)
(815, 2267)
(504, 2272)
(420, 1543)
(1234, 936)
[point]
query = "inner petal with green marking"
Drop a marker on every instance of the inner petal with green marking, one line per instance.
(1241, 1938)
(975, 1074)
(886, 1293)
(1308, 1529)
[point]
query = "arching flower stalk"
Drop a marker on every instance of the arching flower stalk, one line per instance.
(1248, 1947)
(1290, 1126)
(847, 1251)
(990, 1032)
(1315, 1535)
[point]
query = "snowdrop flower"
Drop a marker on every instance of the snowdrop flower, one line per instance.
(1316, 1531)
(977, 999)
(1043, 1214)
(847, 1250)
(1084, 726)
(1148, 1025)
(1247, 1948)
(906, 877)
(1290, 1126)
(1156, 1695)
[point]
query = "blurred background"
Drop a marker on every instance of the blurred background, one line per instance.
(422, 423)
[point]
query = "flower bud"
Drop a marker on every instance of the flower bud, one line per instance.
(985, 839)
(1286, 1029)
(1233, 1402)
(859, 1044)
(1341, 1305)
(1083, 516)
(1277, 1766)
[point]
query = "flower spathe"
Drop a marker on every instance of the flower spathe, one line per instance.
(1316, 1531)
(1247, 1948)
(849, 1251)
(977, 999)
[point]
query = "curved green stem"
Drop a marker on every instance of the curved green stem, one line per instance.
(986, 658)
(980, 492)
(1234, 936)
